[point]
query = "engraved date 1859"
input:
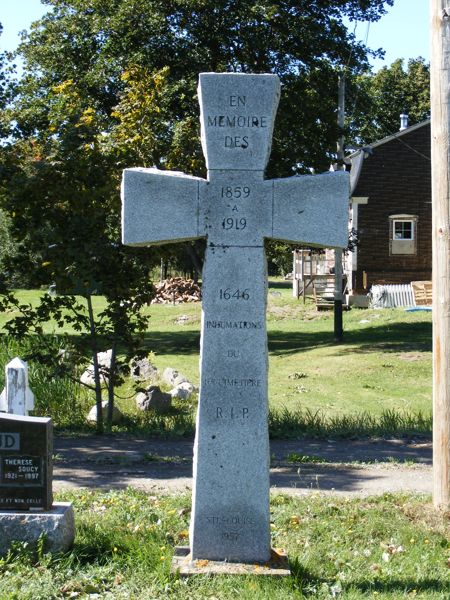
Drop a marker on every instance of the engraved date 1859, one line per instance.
(237, 191)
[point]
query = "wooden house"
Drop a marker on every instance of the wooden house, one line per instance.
(391, 210)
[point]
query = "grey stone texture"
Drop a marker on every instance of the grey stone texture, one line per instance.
(173, 377)
(235, 209)
(237, 118)
(154, 399)
(104, 364)
(142, 369)
(57, 525)
(92, 415)
(160, 197)
(231, 454)
(183, 391)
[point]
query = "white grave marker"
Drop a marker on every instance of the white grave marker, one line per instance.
(16, 398)
(235, 209)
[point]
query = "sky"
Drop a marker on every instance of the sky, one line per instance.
(403, 32)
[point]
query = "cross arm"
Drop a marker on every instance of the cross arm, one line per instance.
(312, 209)
(159, 207)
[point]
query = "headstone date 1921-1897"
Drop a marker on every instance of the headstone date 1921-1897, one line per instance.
(234, 209)
(26, 445)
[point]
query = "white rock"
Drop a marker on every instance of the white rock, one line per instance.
(183, 391)
(117, 415)
(104, 364)
(173, 377)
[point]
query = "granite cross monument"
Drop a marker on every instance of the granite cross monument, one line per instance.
(235, 209)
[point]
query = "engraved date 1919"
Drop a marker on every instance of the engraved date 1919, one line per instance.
(232, 223)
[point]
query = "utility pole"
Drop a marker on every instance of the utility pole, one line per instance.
(440, 177)
(338, 329)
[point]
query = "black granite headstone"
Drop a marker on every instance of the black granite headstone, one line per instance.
(26, 467)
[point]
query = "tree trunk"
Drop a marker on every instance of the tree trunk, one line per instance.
(196, 261)
(98, 387)
(111, 385)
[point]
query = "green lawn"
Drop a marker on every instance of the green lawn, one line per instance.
(382, 367)
(388, 547)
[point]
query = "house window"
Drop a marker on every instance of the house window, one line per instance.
(403, 230)
(403, 234)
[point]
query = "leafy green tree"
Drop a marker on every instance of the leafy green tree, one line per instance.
(95, 43)
(376, 100)
(61, 197)
(112, 83)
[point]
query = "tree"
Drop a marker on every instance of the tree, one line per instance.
(61, 195)
(382, 97)
(112, 83)
(93, 43)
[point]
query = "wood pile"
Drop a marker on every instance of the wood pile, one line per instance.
(177, 290)
(423, 292)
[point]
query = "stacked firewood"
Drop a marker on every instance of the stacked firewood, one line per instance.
(176, 290)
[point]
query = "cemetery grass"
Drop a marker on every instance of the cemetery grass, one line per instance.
(386, 547)
(377, 382)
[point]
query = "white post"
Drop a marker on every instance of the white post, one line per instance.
(16, 398)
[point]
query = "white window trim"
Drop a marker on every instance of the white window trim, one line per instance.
(409, 244)
(413, 230)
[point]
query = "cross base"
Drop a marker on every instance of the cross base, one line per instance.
(184, 566)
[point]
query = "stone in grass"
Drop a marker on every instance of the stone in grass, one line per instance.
(117, 415)
(104, 364)
(57, 526)
(154, 399)
(173, 377)
(142, 369)
(183, 391)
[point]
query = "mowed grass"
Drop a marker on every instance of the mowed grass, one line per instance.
(387, 547)
(382, 370)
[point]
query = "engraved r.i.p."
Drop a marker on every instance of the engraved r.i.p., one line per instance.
(235, 209)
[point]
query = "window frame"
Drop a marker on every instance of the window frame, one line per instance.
(403, 246)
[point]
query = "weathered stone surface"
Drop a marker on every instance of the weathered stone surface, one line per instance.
(148, 191)
(173, 377)
(142, 369)
(26, 468)
(154, 399)
(237, 114)
(17, 397)
(310, 209)
(184, 566)
(183, 391)
(104, 364)
(57, 525)
(232, 443)
(235, 209)
(117, 415)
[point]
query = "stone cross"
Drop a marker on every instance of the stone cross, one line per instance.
(234, 209)
(17, 397)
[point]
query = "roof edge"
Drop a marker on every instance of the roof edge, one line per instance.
(391, 137)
